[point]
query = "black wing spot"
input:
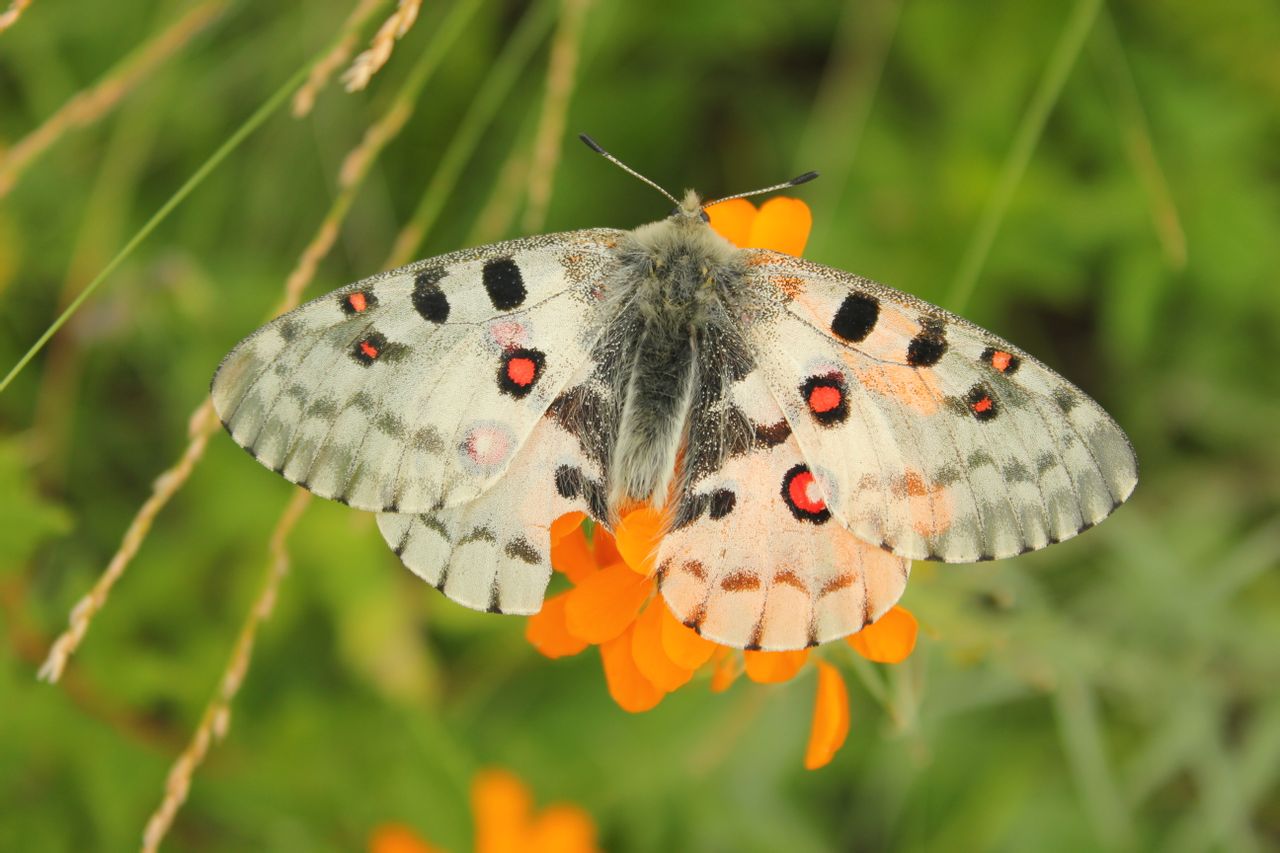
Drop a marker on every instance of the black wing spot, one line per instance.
(722, 503)
(927, 347)
(504, 283)
(428, 298)
(856, 317)
(771, 435)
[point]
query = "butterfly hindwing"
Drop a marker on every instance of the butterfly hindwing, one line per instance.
(942, 441)
(755, 560)
(492, 553)
(416, 388)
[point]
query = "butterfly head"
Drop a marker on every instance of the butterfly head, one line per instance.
(690, 210)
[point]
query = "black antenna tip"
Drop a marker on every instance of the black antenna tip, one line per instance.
(591, 143)
(802, 179)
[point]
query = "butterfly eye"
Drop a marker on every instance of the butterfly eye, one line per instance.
(706, 217)
(675, 211)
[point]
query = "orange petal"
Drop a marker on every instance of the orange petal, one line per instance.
(638, 536)
(548, 631)
(830, 718)
(502, 807)
(605, 603)
(604, 547)
(628, 687)
(572, 555)
(772, 667)
(398, 838)
(889, 639)
(683, 644)
(732, 220)
(782, 225)
(563, 829)
(566, 524)
(651, 659)
(728, 664)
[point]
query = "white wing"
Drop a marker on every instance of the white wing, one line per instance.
(415, 389)
(941, 440)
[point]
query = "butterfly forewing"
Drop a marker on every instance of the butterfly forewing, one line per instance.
(416, 388)
(942, 441)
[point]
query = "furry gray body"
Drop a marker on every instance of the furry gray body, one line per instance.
(678, 284)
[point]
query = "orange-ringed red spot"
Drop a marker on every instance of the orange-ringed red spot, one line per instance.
(803, 495)
(520, 370)
(827, 398)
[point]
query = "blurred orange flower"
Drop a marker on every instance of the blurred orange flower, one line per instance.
(502, 808)
(647, 653)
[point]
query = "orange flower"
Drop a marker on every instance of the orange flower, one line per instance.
(646, 652)
(502, 808)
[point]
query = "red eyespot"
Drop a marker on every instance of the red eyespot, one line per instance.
(827, 398)
(521, 371)
(802, 494)
(981, 403)
(824, 398)
(1001, 361)
(368, 349)
(358, 302)
(805, 493)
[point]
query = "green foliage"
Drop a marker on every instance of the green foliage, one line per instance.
(1114, 692)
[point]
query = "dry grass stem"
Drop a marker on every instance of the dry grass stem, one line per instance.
(216, 719)
(13, 13)
(89, 105)
(392, 30)
(1136, 131)
(305, 98)
(561, 73)
(500, 210)
(204, 421)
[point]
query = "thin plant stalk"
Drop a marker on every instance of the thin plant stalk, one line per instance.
(1030, 128)
(548, 139)
(503, 75)
(242, 133)
(204, 421)
(216, 719)
(90, 105)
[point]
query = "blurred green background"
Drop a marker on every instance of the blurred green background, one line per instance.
(1119, 691)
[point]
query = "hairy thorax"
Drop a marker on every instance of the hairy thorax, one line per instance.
(680, 278)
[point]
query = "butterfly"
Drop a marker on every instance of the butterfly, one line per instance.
(806, 433)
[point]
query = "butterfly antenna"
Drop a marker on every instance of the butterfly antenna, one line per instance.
(595, 146)
(794, 182)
